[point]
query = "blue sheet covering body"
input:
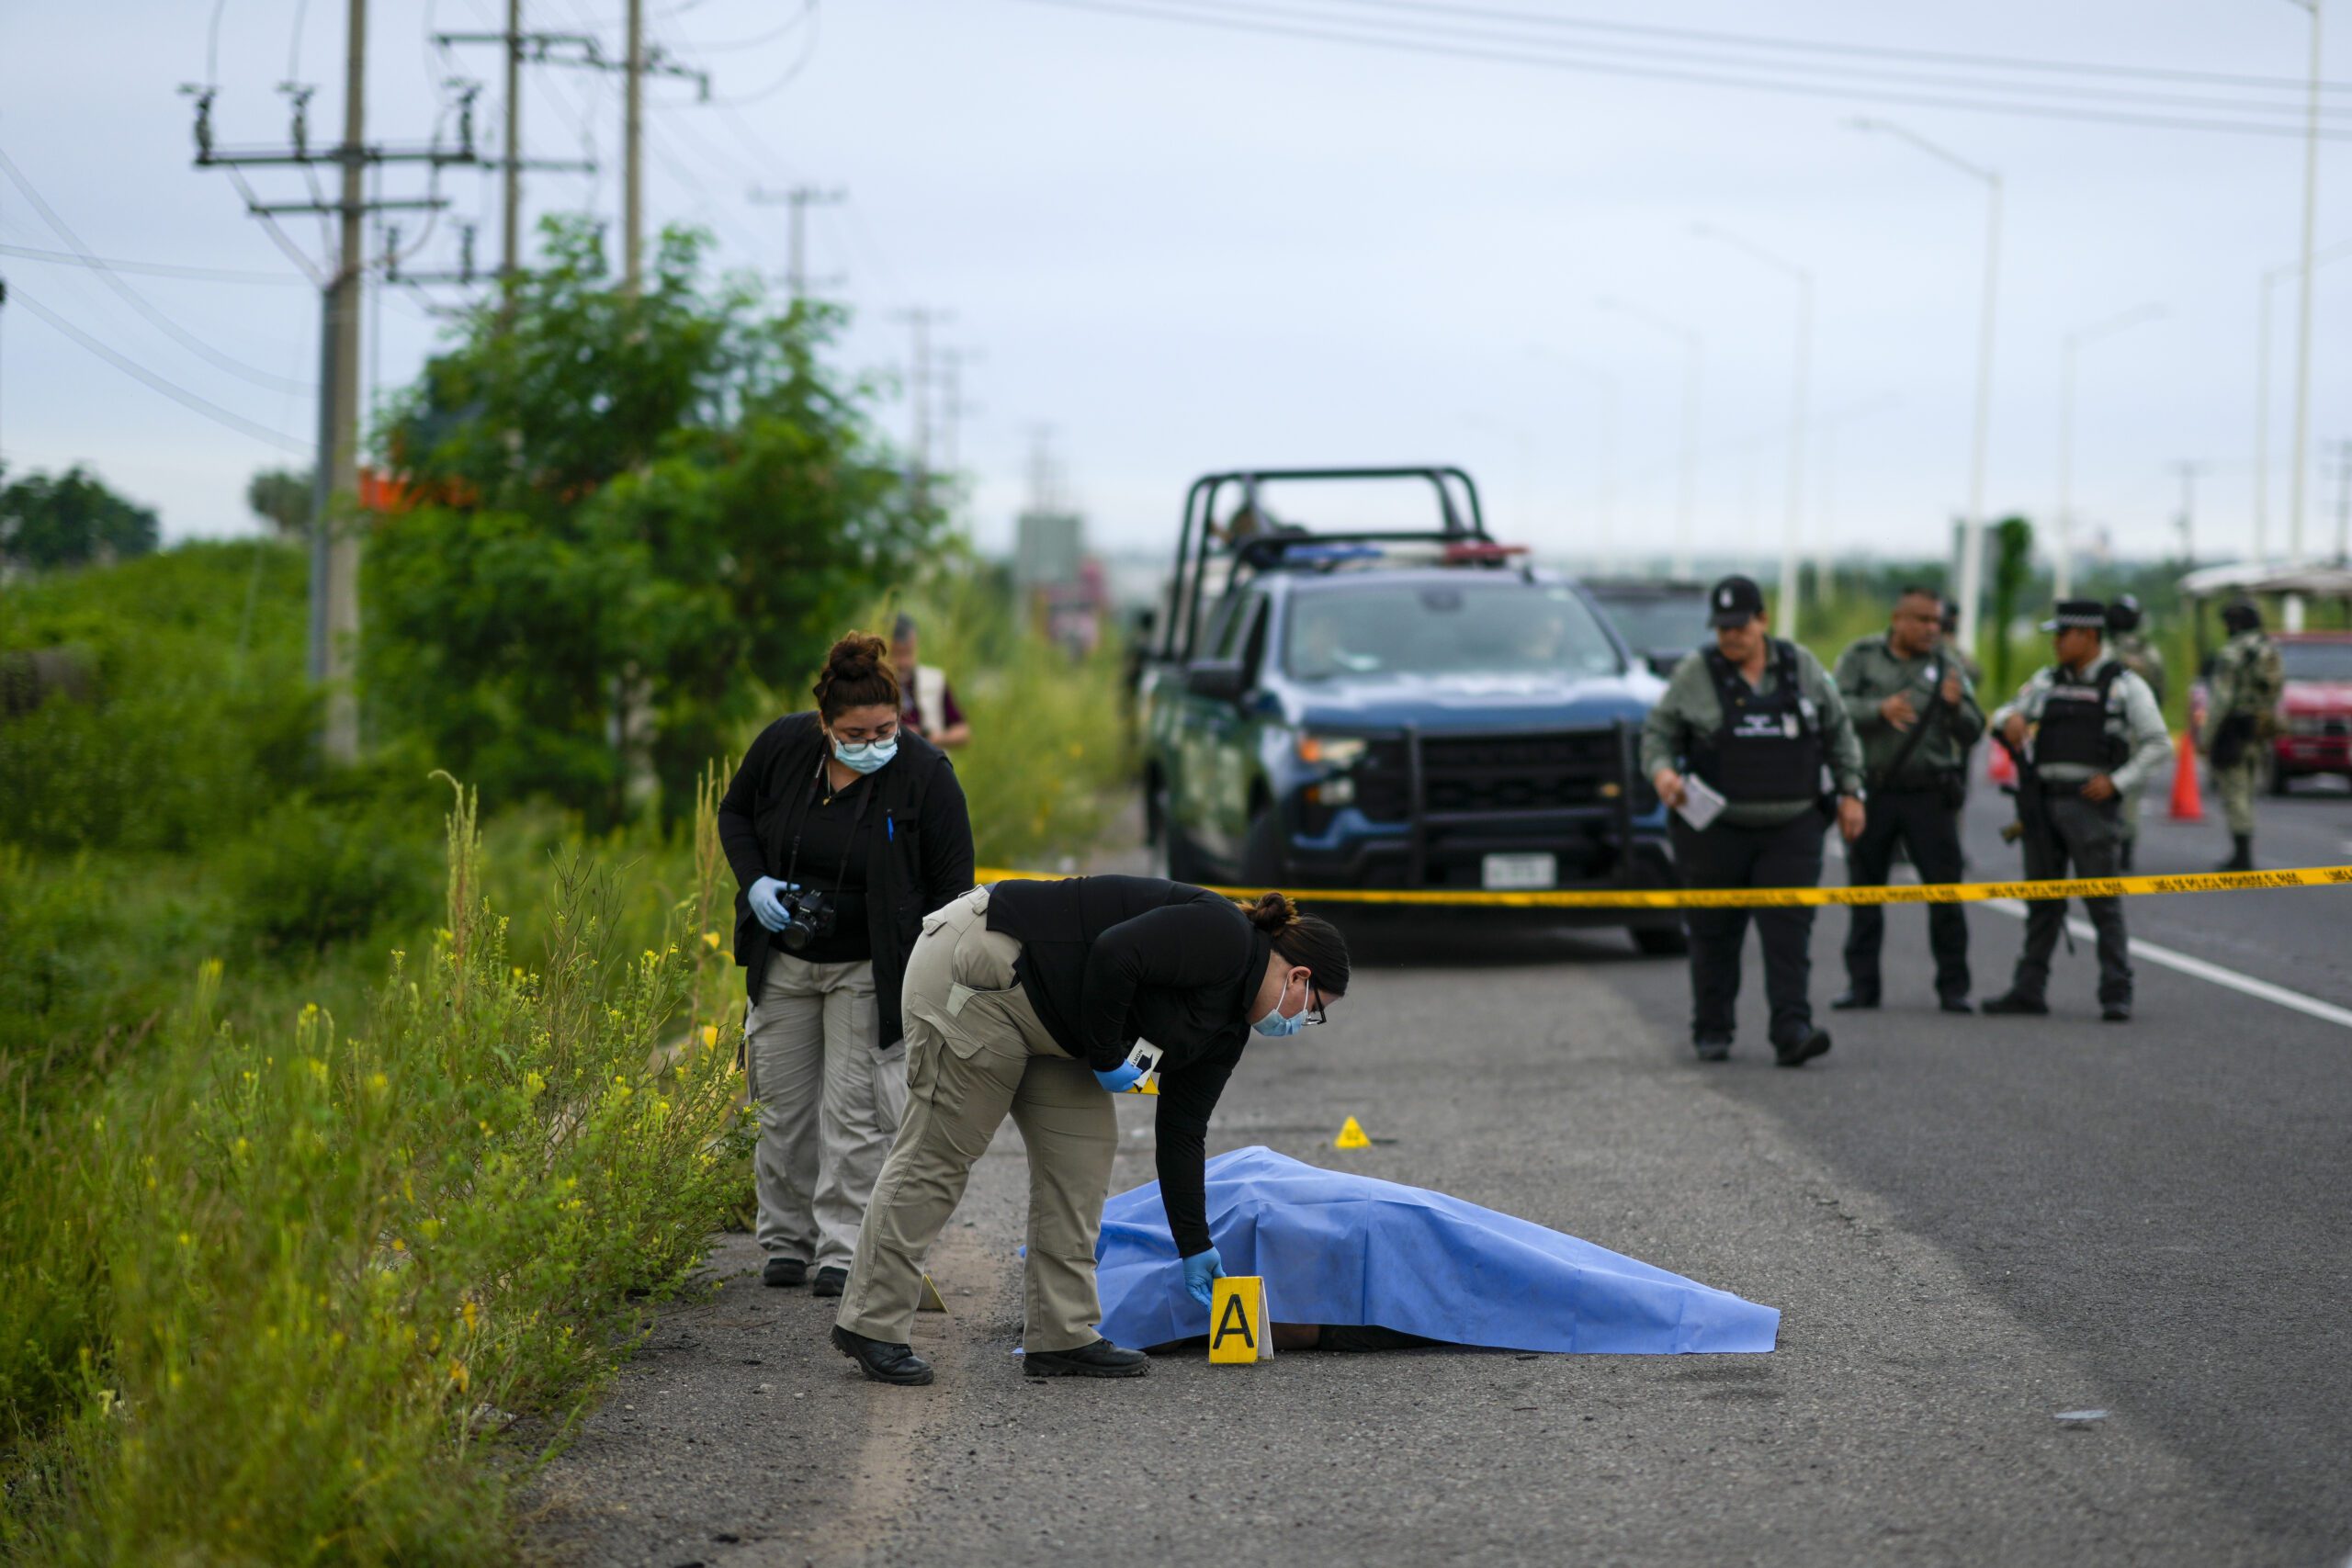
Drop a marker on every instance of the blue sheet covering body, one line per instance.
(1348, 1250)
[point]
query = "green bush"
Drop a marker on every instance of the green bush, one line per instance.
(312, 874)
(279, 1295)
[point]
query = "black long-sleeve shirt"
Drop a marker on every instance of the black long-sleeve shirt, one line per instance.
(1110, 960)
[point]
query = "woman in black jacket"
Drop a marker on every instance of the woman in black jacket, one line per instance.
(1028, 999)
(843, 833)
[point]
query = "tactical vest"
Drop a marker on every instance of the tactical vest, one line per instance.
(1768, 747)
(2073, 722)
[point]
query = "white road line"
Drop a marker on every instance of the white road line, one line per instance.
(2188, 963)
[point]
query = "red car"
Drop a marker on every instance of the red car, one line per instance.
(2314, 715)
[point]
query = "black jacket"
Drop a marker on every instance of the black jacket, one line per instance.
(1109, 960)
(920, 846)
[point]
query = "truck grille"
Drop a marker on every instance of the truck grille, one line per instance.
(1501, 774)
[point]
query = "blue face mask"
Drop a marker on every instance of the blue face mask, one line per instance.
(1275, 1026)
(866, 755)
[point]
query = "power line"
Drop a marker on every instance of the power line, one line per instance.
(1852, 50)
(157, 269)
(807, 12)
(171, 390)
(186, 339)
(791, 74)
(1317, 28)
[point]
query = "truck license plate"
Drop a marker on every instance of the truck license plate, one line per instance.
(1519, 874)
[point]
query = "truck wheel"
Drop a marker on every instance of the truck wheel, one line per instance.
(1262, 852)
(1661, 941)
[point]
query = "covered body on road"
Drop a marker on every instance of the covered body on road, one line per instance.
(1341, 1249)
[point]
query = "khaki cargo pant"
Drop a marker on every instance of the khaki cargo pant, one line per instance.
(977, 1053)
(2236, 785)
(828, 1105)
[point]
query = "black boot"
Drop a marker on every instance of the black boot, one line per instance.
(2124, 856)
(2241, 853)
(882, 1361)
(1099, 1360)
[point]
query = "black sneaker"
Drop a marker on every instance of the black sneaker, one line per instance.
(1099, 1360)
(1711, 1050)
(2115, 1012)
(2016, 1002)
(785, 1272)
(882, 1362)
(1853, 1001)
(830, 1281)
(1815, 1043)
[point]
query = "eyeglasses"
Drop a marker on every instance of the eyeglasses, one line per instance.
(1314, 1008)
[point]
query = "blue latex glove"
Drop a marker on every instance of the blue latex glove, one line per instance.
(1199, 1269)
(765, 905)
(1121, 1078)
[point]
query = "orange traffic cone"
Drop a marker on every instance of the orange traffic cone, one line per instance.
(2000, 767)
(2187, 804)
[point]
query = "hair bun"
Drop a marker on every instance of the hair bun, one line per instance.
(857, 673)
(1273, 911)
(857, 655)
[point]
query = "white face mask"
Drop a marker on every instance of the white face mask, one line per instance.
(865, 756)
(1274, 1025)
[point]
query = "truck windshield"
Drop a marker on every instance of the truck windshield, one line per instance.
(1658, 621)
(1506, 627)
(2316, 660)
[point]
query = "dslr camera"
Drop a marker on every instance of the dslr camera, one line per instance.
(807, 915)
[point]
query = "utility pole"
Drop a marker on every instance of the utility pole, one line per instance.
(2343, 502)
(2188, 469)
(797, 201)
(2303, 315)
(633, 154)
(335, 540)
(517, 43)
(921, 318)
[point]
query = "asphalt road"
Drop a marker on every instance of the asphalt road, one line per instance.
(1970, 1225)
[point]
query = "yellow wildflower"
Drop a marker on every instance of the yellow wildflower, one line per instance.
(710, 941)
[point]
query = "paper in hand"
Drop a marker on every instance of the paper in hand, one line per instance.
(1701, 802)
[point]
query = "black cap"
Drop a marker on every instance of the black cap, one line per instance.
(2123, 613)
(2242, 616)
(2078, 613)
(1734, 602)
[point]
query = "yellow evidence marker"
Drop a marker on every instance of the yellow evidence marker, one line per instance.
(1237, 1320)
(931, 1301)
(1145, 1057)
(1351, 1136)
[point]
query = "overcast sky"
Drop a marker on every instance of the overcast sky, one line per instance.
(1183, 248)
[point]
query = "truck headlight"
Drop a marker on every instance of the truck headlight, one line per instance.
(1333, 792)
(1334, 751)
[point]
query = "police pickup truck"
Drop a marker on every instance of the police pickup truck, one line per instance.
(1397, 709)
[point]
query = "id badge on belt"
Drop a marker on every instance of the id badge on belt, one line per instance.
(1145, 1058)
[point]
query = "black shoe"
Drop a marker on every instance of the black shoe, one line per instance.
(784, 1272)
(1815, 1043)
(829, 1283)
(2115, 1012)
(1853, 1001)
(2012, 1002)
(1959, 1004)
(883, 1363)
(1711, 1050)
(1099, 1360)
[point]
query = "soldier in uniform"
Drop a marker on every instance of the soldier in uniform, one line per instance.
(2242, 696)
(1757, 722)
(2141, 656)
(1915, 714)
(2087, 733)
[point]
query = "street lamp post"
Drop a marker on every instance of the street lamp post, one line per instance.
(1693, 371)
(1792, 528)
(2064, 556)
(2304, 317)
(1971, 530)
(2270, 280)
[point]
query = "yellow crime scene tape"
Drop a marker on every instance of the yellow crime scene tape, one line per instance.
(1783, 898)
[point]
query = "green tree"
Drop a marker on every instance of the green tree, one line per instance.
(662, 505)
(2012, 569)
(70, 519)
(282, 498)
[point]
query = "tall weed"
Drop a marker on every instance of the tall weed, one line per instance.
(292, 1289)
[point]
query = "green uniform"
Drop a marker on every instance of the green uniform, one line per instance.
(2140, 656)
(1686, 719)
(1869, 672)
(2242, 692)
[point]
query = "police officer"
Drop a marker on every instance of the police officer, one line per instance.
(2087, 732)
(2142, 658)
(1915, 714)
(2242, 696)
(1758, 721)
